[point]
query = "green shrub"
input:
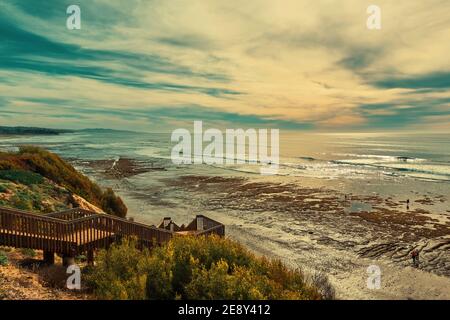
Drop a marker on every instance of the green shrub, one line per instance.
(3, 259)
(80, 258)
(31, 164)
(21, 176)
(112, 204)
(54, 168)
(20, 202)
(3, 188)
(120, 272)
(195, 268)
(219, 283)
(28, 252)
(25, 199)
(206, 267)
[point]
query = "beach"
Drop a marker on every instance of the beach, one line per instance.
(318, 229)
(337, 206)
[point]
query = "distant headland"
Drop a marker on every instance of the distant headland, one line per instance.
(31, 131)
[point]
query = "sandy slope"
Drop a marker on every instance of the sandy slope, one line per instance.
(19, 283)
(396, 283)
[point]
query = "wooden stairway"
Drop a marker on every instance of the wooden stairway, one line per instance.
(75, 231)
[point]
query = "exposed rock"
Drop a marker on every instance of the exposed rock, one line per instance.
(80, 202)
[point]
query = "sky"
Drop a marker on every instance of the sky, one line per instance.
(152, 65)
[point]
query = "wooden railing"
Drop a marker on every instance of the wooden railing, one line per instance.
(73, 231)
(71, 214)
(218, 229)
(76, 230)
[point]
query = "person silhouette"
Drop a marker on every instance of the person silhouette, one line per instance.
(415, 257)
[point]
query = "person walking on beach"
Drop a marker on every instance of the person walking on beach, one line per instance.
(415, 257)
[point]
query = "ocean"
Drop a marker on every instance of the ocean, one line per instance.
(424, 157)
(391, 164)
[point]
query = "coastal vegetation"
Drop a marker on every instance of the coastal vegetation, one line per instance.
(198, 268)
(33, 175)
(3, 259)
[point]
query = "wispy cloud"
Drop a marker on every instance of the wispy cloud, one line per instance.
(435, 80)
(294, 64)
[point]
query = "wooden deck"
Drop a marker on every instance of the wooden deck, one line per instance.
(76, 231)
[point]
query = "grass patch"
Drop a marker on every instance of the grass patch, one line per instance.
(36, 198)
(3, 188)
(21, 176)
(30, 253)
(26, 200)
(3, 259)
(31, 164)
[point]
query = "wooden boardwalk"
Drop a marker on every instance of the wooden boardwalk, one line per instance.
(76, 231)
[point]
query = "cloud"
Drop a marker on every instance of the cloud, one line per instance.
(25, 51)
(295, 64)
(401, 115)
(436, 80)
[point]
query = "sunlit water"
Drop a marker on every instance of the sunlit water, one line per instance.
(399, 165)
(328, 156)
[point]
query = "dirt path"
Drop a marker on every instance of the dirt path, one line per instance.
(20, 283)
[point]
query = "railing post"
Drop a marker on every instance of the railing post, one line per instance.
(68, 260)
(199, 223)
(49, 257)
(90, 257)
